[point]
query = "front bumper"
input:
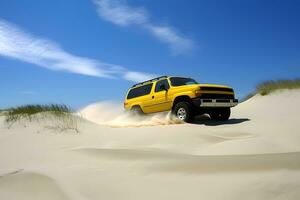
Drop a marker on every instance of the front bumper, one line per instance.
(209, 103)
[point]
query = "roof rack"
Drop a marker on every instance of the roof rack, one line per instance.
(149, 81)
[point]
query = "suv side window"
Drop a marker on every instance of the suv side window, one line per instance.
(139, 91)
(160, 83)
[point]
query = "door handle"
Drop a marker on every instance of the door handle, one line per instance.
(152, 97)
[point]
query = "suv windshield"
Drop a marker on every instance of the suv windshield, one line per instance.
(179, 81)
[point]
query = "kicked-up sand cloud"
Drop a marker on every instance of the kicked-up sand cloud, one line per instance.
(113, 114)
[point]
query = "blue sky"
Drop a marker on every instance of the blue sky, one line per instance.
(84, 51)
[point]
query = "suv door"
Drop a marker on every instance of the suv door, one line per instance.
(161, 100)
(140, 96)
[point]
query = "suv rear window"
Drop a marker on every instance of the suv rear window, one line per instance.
(179, 81)
(139, 91)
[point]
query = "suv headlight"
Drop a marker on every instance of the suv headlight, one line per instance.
(198, 92)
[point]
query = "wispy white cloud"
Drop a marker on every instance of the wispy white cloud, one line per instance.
(138, 76)
(18, 44)
(120, 13)
(177, 43)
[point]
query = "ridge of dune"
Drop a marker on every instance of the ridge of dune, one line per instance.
(254, 155)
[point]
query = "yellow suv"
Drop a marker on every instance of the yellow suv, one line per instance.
(183, 96)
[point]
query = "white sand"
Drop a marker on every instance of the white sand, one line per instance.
(255, 155)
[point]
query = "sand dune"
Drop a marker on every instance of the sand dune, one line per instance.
(26, 185)
(202, 163)
(254, 155)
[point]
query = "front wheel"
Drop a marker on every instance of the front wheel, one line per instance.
(183, 111)
(221, 114)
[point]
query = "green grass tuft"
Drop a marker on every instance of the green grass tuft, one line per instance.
(28, 111)
(268, 87)
(60, 115)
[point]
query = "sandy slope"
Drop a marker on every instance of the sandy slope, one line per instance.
(255, 155)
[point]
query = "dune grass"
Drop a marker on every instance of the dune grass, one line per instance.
(268, 87)
(28, 111)
(60, 115)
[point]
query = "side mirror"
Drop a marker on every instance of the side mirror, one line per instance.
(163, 87)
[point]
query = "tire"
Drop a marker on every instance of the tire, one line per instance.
(183, 111)
(222, 114)
(136, 111)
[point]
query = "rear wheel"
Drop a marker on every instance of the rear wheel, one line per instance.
(183, 111)
(221, 114)
(136, 110)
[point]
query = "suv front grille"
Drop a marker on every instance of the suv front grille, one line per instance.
(217, 96)
(216, 89)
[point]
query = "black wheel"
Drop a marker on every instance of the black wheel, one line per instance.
(136, 110)
(221, 114)
(183, 111)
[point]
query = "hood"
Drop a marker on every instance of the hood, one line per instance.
(213, 85)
